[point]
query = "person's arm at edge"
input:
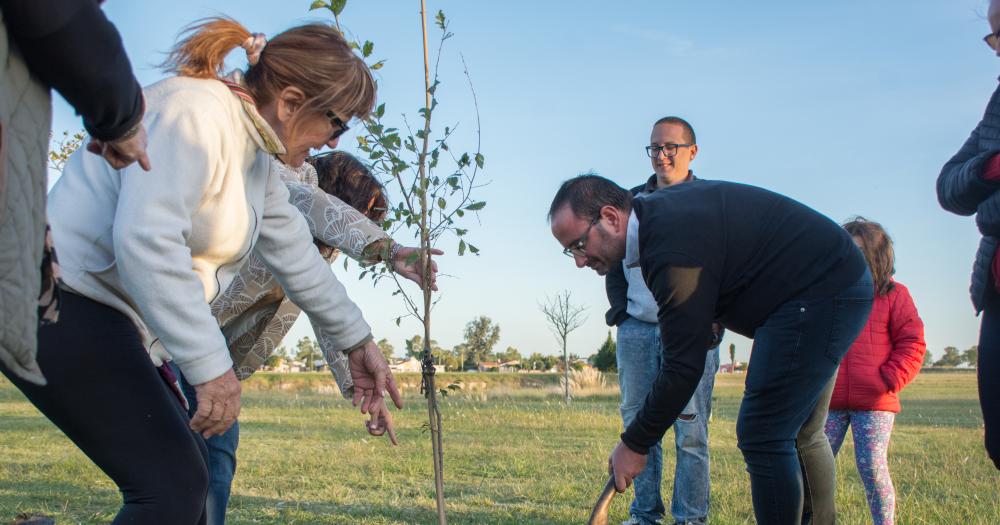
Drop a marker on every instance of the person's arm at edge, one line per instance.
(71, 46)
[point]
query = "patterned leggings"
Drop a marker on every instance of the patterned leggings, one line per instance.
(871, 430)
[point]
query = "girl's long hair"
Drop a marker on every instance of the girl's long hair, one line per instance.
(877, 247)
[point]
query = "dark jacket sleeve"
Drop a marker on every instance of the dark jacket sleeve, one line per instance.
(960, 186)
(69, 45)
(686, 294)
(616, 287)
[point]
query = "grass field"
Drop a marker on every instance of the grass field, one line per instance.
(514, 455)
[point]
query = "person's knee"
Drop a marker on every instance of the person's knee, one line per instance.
(170, 496)
(993, 449)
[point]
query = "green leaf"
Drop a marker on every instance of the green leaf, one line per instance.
(464, 160)
(440, 20)
(421, 134)
(337, 6)
(473, 249)
(380, 110)
(461, 247)
(367, 49)
(476, 206)
(398, 319)
(318, 4)
(460, 232)
(377, 65)
(460, 213)
(442, 203)
(480, 159)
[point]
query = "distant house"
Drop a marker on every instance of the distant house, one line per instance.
(727, 368)
(497, 366)
(510, 366)
(412, 365)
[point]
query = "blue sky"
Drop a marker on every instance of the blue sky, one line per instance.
(850, 107)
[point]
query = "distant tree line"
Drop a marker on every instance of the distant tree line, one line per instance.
(952, 357)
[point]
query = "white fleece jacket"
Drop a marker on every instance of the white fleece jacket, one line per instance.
(160, 246)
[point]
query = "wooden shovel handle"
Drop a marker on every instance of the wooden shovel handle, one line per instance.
(599, 516)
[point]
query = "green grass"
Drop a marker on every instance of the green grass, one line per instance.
(514, 455)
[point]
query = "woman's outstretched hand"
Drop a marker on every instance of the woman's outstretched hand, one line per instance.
(414, 270)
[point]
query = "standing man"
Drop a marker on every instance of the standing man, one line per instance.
(759, 263)
(672, 147)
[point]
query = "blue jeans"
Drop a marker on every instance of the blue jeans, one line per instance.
(221, 460)
(795, 353)
(639, 356)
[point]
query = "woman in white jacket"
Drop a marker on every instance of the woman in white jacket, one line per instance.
(143, 255)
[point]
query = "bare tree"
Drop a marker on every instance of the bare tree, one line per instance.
(563, 317)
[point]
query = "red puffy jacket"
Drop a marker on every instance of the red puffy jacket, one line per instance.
(885, 357)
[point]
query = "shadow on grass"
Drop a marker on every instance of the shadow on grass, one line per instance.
(260, 510)
(66, 501)
(946, 413)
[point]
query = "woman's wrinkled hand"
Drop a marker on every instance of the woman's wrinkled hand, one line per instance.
(218, 405)
(414, 269)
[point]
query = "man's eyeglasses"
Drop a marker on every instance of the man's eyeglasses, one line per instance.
(669, 149)
(578, 248)
(339, 127)
(992, 39)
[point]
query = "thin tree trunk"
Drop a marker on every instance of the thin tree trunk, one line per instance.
(565, 372)
(433, 413)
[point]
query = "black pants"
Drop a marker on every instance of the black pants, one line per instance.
(989, 373)
(105, 395)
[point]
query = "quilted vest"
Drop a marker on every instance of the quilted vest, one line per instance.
(25, 122)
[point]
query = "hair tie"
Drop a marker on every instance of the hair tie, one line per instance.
(254, 45)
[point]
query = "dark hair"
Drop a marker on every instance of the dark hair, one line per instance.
(347, 178)
(688, 130)
(877, 247)
(586, 194)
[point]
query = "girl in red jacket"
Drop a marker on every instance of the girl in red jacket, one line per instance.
(883, 359)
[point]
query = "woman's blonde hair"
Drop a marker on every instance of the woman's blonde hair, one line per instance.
(314, 58)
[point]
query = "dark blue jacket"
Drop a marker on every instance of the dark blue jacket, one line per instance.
(962, 190)
(69, 45)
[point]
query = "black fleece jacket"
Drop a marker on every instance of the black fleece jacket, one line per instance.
(732, 253)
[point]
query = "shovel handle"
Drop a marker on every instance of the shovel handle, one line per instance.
(599, 516)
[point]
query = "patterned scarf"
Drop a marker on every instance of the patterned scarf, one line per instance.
(270, 141)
